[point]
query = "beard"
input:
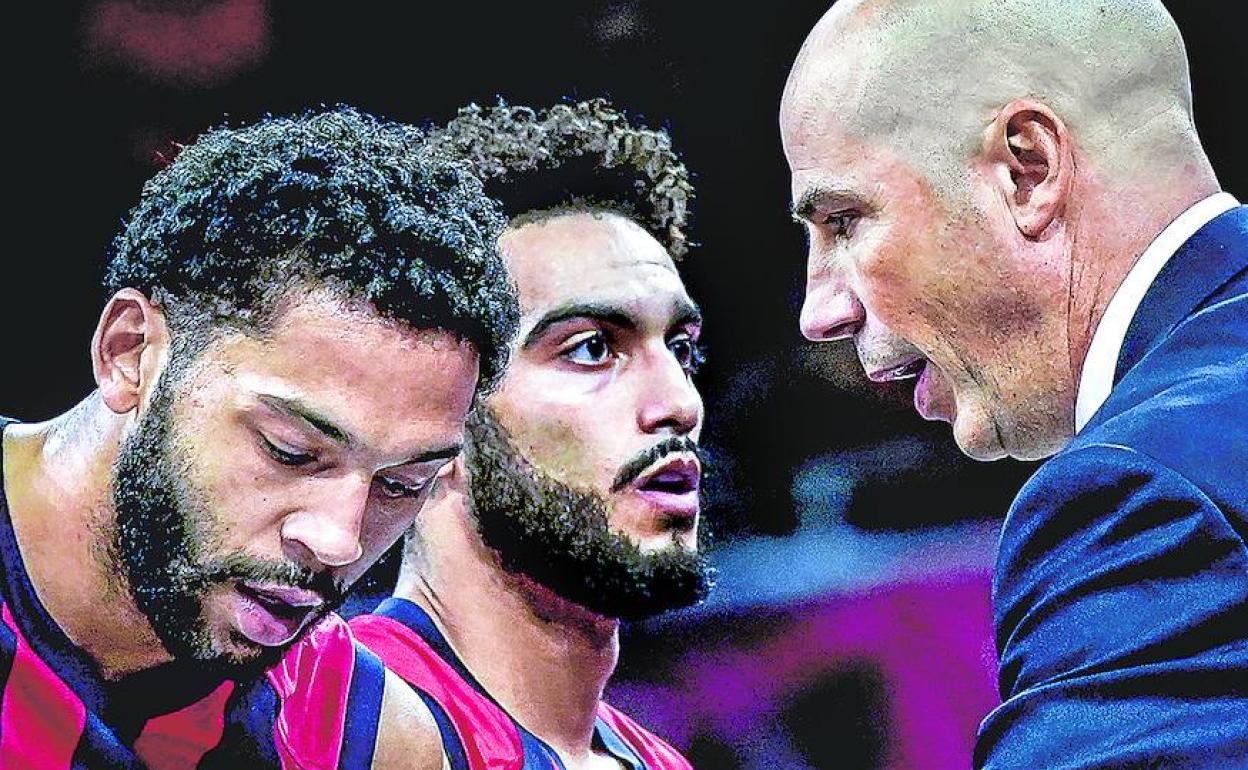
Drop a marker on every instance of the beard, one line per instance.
(161, 538)
(560, 537)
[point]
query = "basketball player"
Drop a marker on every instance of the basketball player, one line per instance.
(577, 500)
(301, 315)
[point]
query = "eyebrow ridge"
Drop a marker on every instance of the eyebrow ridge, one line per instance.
(299, 410)
(688, 312)
(804, 208)
(324, 425)
(446, 453)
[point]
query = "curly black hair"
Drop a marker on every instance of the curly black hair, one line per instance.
(335, 199)
(578, 156)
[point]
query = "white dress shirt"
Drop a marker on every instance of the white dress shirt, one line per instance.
(1098, 367)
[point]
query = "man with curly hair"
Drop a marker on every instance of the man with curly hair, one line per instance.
(302, 313)
(576, 502)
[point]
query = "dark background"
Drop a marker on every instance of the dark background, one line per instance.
(103, 88)
(832, 500)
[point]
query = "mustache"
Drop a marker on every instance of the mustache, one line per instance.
(644, 459)
(244, 568)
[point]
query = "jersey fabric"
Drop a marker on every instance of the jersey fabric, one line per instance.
(477, 733)
(57, 713)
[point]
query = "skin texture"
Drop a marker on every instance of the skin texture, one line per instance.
(580, 409)
(980, 216)
(407, 735)
(330, 516)
(577, 410)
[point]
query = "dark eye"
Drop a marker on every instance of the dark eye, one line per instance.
(688, 352)
(287, 456)
(839, 223)
(394, 488)
(589, 351)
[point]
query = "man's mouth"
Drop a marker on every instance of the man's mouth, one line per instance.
(926, 401)
(672, 485)
(904, 370)
(272, 615)
(924, 397)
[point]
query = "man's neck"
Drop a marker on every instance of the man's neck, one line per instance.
(1105, 249)
(544, 660)
(57, 481)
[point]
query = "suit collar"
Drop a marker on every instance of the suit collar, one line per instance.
(1202, 265)
(1096, 377)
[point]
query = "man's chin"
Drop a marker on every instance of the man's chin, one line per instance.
(670, 543)
(977, 437)
(237, 657)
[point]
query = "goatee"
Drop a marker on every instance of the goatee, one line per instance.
(161, 538)
(560, 537)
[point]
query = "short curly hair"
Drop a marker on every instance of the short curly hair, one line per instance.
(334, 199)
(577, 156)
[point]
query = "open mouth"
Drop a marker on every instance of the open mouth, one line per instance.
(272, 615)
(903, 371)
(673, 486)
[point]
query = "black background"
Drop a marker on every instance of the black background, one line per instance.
(86, 120)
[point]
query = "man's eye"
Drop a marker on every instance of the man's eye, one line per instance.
(689, 353)
(839, 223)
(589, 351)
(396, 489)
(287, 456)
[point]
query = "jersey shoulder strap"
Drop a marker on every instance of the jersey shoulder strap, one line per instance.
(485, 734)
(653, 751)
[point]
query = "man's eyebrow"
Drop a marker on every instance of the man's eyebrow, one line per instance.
(687, 313)
(445, 453)
(297, 409)
(814, 197)
(598, 311)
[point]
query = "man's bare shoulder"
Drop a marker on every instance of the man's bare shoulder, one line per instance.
(407, 735)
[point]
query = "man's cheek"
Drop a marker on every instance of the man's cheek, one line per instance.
(557, 449)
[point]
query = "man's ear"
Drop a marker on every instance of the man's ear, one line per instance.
(1032, 161)
(128, 349)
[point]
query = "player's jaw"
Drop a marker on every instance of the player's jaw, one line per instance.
(229, 608)
(239, 611)
(616, 554)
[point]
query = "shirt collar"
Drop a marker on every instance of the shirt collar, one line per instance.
(1097, 378)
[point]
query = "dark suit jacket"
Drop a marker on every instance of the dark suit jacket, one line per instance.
(1121, 591)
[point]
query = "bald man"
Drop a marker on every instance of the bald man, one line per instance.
(1007, 201)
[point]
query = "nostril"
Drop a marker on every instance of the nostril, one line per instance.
(842, 331)
(829, 332)
(831, 315)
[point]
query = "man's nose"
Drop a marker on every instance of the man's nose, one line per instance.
(669, 401)
(327, 530)
(831, 310)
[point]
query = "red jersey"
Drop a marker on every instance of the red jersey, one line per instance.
(317, 709)
(477, 733)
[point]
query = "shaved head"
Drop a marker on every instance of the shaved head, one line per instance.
(929, 75)
(976, 177)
